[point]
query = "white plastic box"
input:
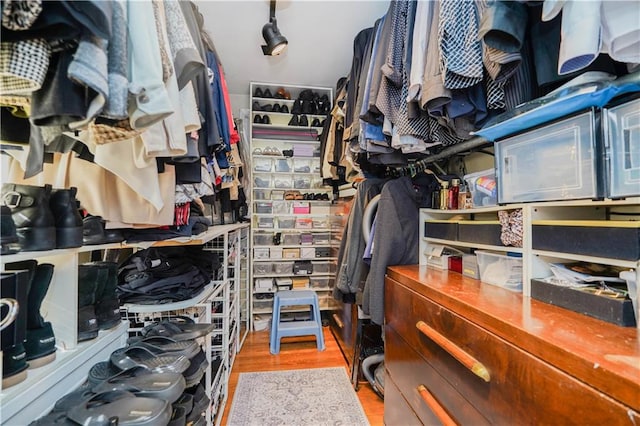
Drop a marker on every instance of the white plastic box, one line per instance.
(622, 142)
(500, 270)
(558, 161)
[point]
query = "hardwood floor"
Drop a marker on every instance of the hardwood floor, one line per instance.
(295, 353)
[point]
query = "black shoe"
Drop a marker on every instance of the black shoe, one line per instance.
(306, 95)
(277, 108)
(90, 279)
(266, 119)
(256, 106)
(267, 108)
(258, 93)
(64, 207)
(94, 232)
(267, 93)
(294, 120)
(304, 121)
(32, 216)
(287, 152)
(15, 285)
(297, 107)
(284, 109)
(8, 236)
(315, 123)
(257, 119)
(107, 306)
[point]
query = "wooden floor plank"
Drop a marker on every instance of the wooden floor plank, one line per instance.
(297, 353)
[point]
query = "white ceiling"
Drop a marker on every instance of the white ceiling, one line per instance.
(320, 35)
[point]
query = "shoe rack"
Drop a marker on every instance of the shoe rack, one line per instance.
(229, 293)
(290, 207)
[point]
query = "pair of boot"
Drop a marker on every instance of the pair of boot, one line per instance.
(98, 302)
(29, 341)
(44, 218)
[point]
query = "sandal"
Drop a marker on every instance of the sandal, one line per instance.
(166, 345)
(178, 328)
(125, 358)
(143, 382)
(122, 406)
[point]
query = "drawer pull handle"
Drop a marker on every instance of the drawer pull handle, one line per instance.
(338, 321)
(465, 359)
(435, 406)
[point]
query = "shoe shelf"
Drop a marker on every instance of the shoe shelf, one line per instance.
(273, 174)
(206, 293)
(35, 396)
(285, 127)
(286, 142)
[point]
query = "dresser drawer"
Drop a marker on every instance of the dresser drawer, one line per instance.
(396, 410)
(410, 371)
(520, 389)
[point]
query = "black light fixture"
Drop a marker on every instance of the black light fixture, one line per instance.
(276, 42)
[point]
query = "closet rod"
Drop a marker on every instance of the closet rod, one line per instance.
(474, 143)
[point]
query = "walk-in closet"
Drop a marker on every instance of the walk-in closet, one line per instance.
(354, 212)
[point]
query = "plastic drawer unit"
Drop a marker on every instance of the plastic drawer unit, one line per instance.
(558, 161)
(622, 141)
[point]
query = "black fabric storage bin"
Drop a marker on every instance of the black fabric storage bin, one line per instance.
(616, 311)
(442, 229)
(602, 238)
(480, 231)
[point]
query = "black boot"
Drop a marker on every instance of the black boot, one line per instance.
(107, 306)
(14, 363)
(64, 207)
(32, 215)
(90, 278)
(8, 236)
(41, 342)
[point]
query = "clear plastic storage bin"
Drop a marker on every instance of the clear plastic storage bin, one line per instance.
(559, 161)
(500, 270)
(283, 268)
(262, 181)
(623, 149)
(262, 268)
(483, 188)
(263, 239)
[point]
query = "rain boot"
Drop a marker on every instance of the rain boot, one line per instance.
(90, 279)
(64, 207)
(14, 285)
(31, 214)
(107, 304)
(41, 342)
(8, 236)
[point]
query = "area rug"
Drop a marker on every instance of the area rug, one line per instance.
(317, 396)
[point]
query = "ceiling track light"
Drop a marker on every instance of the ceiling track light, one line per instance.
(276, 42)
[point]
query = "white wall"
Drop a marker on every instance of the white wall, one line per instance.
(320, 35)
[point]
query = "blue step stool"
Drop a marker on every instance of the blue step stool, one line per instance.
(280, 329)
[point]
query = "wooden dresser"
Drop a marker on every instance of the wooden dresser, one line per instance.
(461, 352)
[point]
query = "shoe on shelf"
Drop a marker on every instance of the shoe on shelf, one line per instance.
(304, 121)
(266, 119)
(267, 108)
(267, 93)
(297, 107)
(258, 93)
(277, 108)
(284, 94)
(284, 109)
(257, 119)
(294, 120)
(255, 106)
(257, 151)
(315, 122)
(287, 152)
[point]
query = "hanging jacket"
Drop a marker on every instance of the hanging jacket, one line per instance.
(395, 241)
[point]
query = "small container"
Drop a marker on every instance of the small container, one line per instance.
(454, 191)
(444, 195)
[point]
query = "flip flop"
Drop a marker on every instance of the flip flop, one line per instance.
(125, 358)
(166, 345)
(101, 371)
(123, 408)
(178, 328)
(143, 382)
(178, 416)
(185, 401)
(197, 369)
